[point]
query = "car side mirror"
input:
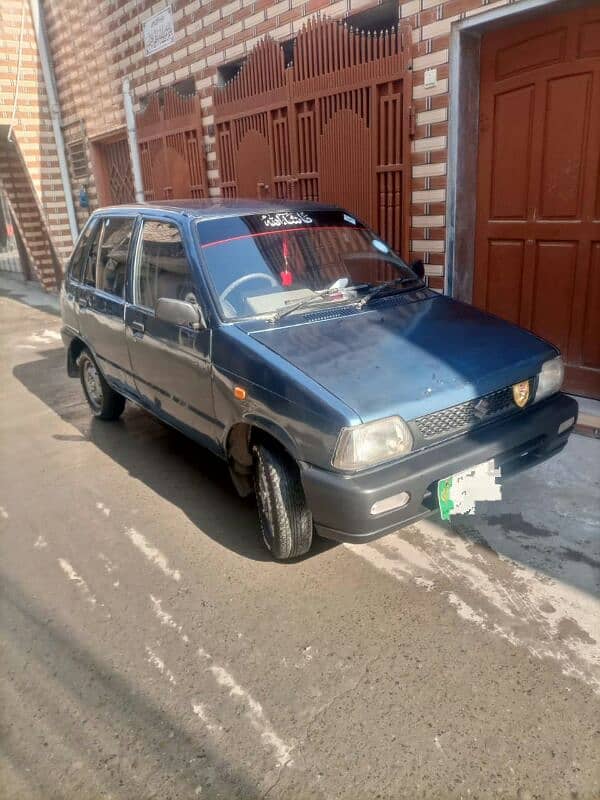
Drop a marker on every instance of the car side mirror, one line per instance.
(179, 312)
(418, 268)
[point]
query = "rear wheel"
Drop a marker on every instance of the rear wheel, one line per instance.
(285, 520)
(104, 402)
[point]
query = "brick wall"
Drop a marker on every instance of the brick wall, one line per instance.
(431, 22)
(97, 43)
(28, 162)
(31, 222)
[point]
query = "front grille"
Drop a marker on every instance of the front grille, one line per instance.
(466, 415)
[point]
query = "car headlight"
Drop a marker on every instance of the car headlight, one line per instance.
(550, 378)
(372, 443)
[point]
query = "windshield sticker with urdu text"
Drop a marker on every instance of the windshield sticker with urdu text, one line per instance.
(285, 219)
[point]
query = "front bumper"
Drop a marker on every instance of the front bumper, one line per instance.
(341, 504)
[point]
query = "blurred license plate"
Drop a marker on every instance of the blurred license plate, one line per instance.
(459, 493)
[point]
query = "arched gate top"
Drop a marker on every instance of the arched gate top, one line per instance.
(263, 71)
(323, 47)
(167, 111)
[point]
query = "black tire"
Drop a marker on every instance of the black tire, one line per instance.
(103, 401)
(285, 520)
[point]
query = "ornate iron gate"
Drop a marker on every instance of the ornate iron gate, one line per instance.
(333, 126)
(120, 179)
(170, 141)
(112, 167)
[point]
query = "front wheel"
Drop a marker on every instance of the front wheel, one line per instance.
(104, 402)
(285, 520)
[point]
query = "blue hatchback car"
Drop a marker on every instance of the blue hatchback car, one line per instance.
(295, 344)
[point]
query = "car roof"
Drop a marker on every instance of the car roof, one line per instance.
(217, 208)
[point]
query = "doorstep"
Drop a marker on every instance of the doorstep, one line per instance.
(588, 422)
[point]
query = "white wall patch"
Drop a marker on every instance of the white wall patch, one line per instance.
(159, 31)
(430, 78)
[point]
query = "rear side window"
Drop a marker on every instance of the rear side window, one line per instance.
(113, 250)
(162, 268)
(81, 248)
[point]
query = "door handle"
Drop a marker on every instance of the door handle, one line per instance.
(82, 302)
(137, 328)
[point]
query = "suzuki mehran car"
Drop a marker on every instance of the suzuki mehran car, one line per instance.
(291, 340)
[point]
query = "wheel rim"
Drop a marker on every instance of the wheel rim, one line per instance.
(93, 387)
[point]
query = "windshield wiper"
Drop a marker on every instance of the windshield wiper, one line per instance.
(306, 301)
(387, 288)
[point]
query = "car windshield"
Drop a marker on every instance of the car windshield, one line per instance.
(272, 264)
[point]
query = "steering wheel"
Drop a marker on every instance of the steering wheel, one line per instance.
(238, 282)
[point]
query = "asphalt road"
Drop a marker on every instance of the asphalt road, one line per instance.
(151, 649)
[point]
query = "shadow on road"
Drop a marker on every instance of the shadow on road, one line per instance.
(22, 297)
(134, 747)
(168, 462)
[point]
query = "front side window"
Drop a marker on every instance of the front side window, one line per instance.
(88, 272)
(162, 268)
(76, 265)
(267, 263)
(113, 250)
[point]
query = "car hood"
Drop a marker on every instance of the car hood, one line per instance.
(407, 356)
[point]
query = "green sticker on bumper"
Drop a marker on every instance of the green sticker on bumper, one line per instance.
(446, 503)
(459, 493)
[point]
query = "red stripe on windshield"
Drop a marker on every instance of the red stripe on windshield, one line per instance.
(279, 230)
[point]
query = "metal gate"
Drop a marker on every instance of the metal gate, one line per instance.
(170, 141)
(333, 126)
(117, 173)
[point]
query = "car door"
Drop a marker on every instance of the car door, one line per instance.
(102, 299)
(71, 285)
(171, 362)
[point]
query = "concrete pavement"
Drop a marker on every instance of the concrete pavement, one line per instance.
(151, 649)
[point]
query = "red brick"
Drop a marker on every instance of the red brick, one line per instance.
(453, 7)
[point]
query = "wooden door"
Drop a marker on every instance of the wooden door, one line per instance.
(538, 204)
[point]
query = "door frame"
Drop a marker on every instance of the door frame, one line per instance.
(463, 133)
(100, 170)
(205, 427)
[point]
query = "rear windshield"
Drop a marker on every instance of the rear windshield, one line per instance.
(261, 263)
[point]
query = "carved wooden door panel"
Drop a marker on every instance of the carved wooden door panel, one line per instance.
(538, 212)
